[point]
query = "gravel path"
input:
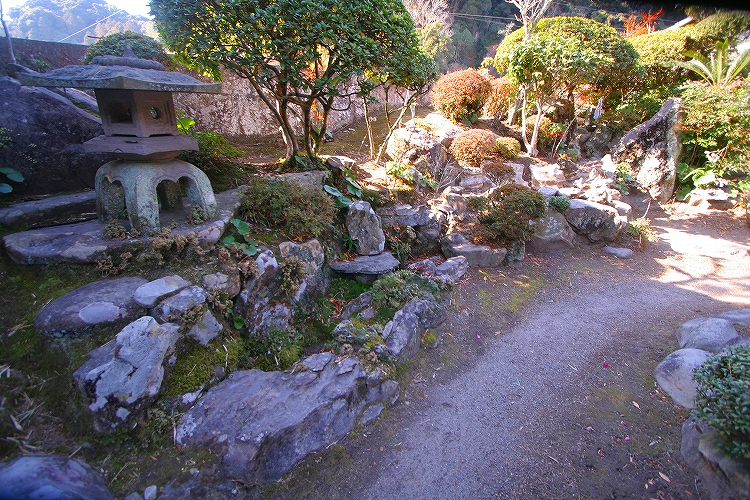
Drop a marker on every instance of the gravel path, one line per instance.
(554, 399)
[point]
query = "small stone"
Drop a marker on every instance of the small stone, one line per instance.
(174, 307)
(150, 493)
(207, 329)
(675, 375)
(620, 253)
(371, 413)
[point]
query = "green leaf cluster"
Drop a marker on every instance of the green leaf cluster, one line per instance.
(723, 398)
(718, 68)
(715, 133)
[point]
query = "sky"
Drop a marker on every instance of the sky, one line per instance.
(135, 7)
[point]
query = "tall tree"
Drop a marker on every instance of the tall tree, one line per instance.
(298, 55)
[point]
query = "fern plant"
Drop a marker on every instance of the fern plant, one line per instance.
(717, 68)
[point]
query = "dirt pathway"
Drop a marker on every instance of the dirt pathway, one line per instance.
(547, 392)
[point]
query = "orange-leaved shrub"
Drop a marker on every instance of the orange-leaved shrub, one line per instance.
(499, 99)
(472, 146)
(460, 96)
(507, 147)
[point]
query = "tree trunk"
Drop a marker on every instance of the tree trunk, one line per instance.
(368, 124)
(7, 36)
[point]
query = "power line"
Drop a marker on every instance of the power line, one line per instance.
(90, 25)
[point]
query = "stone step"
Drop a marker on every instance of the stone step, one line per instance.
(48, 209)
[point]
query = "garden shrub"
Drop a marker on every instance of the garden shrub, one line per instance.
(499, 99)
(559, 203)
(507, 212)
(716, 127)
(661, 50)
(143, 46)
(298, 211)
(472, 146)
(507, 147)
(394, 290)
(215, 157)
(723, 398)
(500, 173)
(460, 96)
(614, 77)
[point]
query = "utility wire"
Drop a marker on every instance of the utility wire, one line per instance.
(90, 25)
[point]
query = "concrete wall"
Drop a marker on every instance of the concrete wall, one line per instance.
(52, 54)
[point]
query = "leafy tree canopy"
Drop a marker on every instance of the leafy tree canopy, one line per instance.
(297, 54)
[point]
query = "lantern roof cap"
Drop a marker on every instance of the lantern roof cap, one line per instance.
(111, 72)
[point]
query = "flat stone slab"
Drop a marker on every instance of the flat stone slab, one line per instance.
(367, 264)
(150, 293)
(98, 303)
(83, 242)
(32, 212)
(455, 245)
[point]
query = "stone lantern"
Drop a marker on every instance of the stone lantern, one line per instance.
(140, 127)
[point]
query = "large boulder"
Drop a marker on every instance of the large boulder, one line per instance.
(53, 477)
(723, 477)
(47, 134)
(263, 423)
(675, 375)
(122, 377)
(595, 221)
(709, 334)
(552, 233)
(652, 149)
(365, 228)
(455, 245)
(413, 144)
(101, 303)
(427, 223)
(403, 334)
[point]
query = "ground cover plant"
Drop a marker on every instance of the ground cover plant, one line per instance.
(723, 399)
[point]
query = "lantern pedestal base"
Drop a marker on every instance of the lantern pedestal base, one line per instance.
(136, 188)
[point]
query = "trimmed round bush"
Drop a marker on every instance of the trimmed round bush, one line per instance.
(500, 173)
(499, 99)
(469, 148)
(509, 211)
(143, 46)
(460, 96)
(723, 398)
(614, 77)
(507, 147)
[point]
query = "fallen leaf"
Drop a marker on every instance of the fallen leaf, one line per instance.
(636, 405)
(665, 477)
